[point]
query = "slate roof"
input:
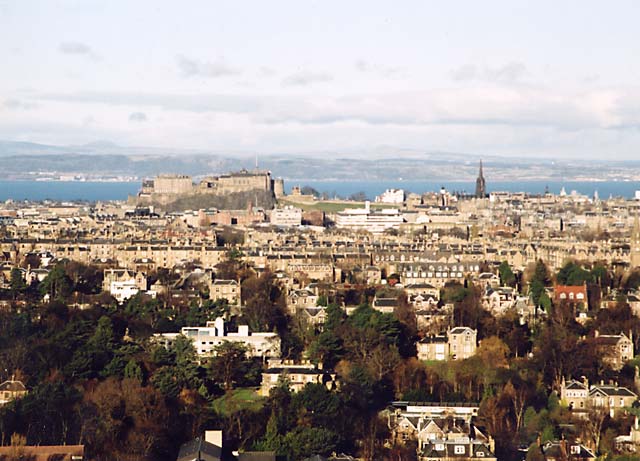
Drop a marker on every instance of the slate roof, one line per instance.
(611, 390)
(197, 449)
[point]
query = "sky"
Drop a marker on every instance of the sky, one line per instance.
(508, 78)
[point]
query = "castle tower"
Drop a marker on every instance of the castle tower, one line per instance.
(481, 191)
(635, 243)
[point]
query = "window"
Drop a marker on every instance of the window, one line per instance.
(440, 447)
(459, 450)
(575, 449)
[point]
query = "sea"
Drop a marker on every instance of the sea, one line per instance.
(91, 191)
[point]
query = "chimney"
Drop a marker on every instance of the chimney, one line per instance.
(596, 333)
(243, 330)
(213, 437)
(219, 324)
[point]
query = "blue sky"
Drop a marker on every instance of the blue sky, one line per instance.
(511, 78)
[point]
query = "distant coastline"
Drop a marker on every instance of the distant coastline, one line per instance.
(104, 190)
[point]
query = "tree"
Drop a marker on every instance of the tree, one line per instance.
(507, 276)
(17, 284)
(308, 190)
(360, 196)
(594, 423)
(57, 284)
(573, 275)
(133, 371)
(493, 352)
(229, 362)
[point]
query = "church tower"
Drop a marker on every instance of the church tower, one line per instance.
(635, 243)
(481, 191)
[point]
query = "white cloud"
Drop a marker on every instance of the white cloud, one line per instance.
(138, 117)
(511, 72)
(78, 49)
(194, 68)
(304, 78)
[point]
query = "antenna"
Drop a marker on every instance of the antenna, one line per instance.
(256, 161)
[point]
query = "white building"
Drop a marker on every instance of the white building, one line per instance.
(288, 216)
(123, 284)
(205, 339)
(374, 221)
(395, 196)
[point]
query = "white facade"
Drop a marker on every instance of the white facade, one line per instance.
(286, 217)
(375, 222)
(391, 196)
(205, 339)
(124, 290)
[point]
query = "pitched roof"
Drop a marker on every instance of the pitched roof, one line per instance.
(612, 390)
(193, 450)
(12, 386)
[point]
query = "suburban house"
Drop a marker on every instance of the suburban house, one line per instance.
(205, 339)
(297, 375)
(579, 397)
(575, 296)
(459, 343)
(615, 349)
(463, 449)
(123, 283)
(563, 450)
(300, 299)
(11, 390)
(209, 448)
(225, 289)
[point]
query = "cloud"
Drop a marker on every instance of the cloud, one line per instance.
(17, 104)
(509, 73)
(384, 71)
(138, 117)
(502, 107)
(193, 68)
(78, 49)
(304, 78)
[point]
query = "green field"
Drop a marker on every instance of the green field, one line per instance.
(245, 398)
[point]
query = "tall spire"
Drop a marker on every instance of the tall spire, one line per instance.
(480, 184)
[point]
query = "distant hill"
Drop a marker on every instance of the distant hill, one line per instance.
(28, 160)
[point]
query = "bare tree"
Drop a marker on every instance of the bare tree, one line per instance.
(592, 425)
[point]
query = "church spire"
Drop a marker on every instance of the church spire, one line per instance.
(480, 184)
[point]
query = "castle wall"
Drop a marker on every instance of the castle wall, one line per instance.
(172, 184)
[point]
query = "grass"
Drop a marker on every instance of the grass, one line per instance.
(245, 398)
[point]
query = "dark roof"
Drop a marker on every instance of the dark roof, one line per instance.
(199, 449)
(294, 370)
(612, 390)
(385, 302)
(257, 456)
(434, 339)
(555, 450)
(472, 449)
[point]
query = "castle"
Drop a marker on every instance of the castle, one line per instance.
(166, 188)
